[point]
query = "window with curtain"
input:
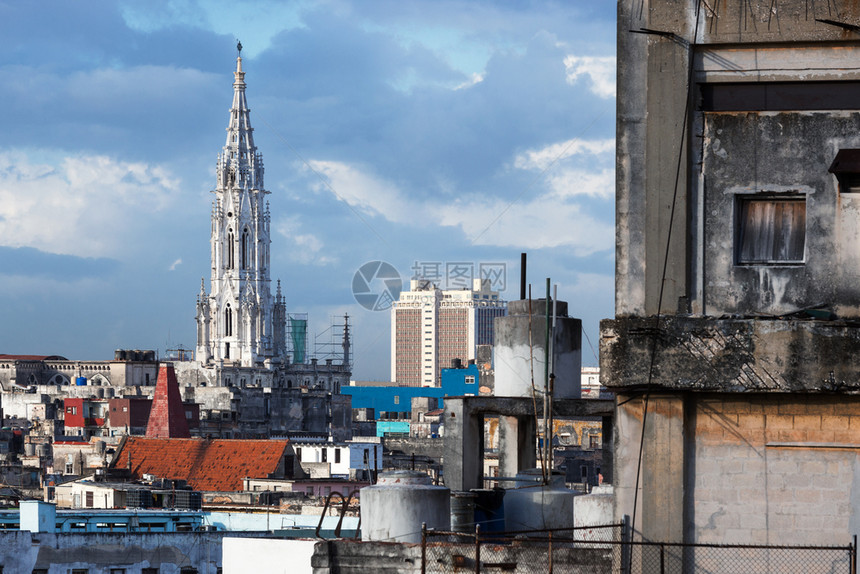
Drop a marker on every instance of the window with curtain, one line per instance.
(771, 230)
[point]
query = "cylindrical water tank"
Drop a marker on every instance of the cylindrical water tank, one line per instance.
(29, 449)
(520, 357)
(537, 506)
(394, 508)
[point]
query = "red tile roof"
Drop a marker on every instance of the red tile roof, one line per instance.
(167, 415)
(207, 465)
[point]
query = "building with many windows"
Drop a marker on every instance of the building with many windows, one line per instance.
(431, 328)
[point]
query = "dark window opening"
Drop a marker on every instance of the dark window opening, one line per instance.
(771, 230)
(246, 249)
(230, 249)
(846, 168)
(780, 96)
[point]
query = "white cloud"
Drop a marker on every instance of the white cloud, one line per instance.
(305, 248)
(542, 158)
(363, 191)
(175, 264)
(567, 183)
(600, 70)
(551, 220)
(563, 178)
(475, 78)
(88, 206)
(544, 222)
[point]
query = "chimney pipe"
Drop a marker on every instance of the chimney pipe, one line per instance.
(522, 276)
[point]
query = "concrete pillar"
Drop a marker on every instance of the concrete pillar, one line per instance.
(663, 470)
(463, 446)
(660, 513)
(517, 445)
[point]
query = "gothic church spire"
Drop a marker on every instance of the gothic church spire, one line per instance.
(240, 323)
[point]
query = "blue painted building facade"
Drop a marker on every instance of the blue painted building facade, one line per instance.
(394, 399)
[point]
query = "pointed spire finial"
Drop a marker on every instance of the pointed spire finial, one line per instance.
(240, 75)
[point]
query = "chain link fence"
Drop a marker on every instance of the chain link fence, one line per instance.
(608, 549)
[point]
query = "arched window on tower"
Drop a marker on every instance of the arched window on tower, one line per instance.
(228, 322)
(230, 249)
(246, 249)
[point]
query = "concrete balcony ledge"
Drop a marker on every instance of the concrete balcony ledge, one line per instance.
(731, 355)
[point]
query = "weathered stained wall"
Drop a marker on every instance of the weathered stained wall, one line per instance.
(733, 355)
(754, 154)
(739, 442)
(658, 160)
(345, 557)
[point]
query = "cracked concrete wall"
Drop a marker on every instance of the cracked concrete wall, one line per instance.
(731, 355)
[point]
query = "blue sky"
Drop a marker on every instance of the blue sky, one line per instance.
(401, 131)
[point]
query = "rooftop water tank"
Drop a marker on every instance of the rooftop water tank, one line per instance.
(395, 507)
(537, 506)
(518, 362)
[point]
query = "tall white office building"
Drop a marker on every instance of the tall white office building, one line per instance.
(431, 327)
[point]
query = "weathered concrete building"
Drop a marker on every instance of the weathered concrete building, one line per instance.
(738, 249)
(104, 542)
